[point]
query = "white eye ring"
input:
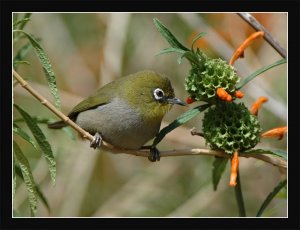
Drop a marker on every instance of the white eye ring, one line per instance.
(158, 94)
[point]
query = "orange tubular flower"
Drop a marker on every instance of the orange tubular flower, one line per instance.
(234, 169)
(190, 100)
(223, 95)
(239, 94)
(256, 105)
(277, 132)
(239, 52)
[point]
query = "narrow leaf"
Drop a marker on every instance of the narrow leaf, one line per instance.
(24, 135)
(219, 166)
(69, 132)
(37, 119)
(28, 178)
(168, 35)
(179, 121)
(41, 140)
(270, 197)
(27, 19)
(244, 81)
(276, 152)
(197, 38)
(47, 67)
(14, 178)
(39, 192)
(21, 23)
(21, 54)
(171, 50)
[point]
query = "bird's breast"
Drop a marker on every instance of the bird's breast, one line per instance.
(119, 124)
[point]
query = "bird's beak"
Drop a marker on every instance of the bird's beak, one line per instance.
(175, 101)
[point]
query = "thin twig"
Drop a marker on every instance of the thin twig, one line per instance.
(268, 37)
(144, 153)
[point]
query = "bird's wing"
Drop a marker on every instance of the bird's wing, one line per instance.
(101, 97)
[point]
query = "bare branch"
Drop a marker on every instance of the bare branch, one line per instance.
(268, 37)
(144, 153)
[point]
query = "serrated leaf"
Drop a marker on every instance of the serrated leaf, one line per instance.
(179, 121)
(270, 197)
(244, 81)
(276, 152)
(41, 140)
(24, 135)
(197, 38)
(47, 67)
(39, 192)
(219, 166)
(28, 178)
(168, 35)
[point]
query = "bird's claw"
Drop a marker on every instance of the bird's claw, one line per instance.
(97, 141)
(154, 154)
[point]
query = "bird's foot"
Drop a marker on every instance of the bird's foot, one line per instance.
(97, 141)
(154, 154)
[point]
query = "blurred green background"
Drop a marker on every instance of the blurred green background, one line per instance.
(88, 50)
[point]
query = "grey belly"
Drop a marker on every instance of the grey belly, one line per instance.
(118, 125)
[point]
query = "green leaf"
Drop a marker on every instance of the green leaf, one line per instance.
(244, 81)
(37, 119)
(168, 35)
(276, 152)
(21, 23)
(179, 121)
(39, 192)
(41, 140)
(28, 178)
(197, 38)
(44, 60)
(24, 135)
(219, 166)
(171, 50)
(14, 178)
(69, 132)
(270, 197)
(21, 54)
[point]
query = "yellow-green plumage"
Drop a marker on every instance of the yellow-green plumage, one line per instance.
(126, 112)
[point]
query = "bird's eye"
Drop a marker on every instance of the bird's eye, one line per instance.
(158, 94)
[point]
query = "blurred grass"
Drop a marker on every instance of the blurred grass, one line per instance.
(88, 50)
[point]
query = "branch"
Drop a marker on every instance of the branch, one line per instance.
(144, 153)
(268, 37)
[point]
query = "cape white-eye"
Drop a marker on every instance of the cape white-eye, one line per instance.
(126, 112)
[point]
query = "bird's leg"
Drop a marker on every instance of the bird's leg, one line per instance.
(154, 153)
(97, 141)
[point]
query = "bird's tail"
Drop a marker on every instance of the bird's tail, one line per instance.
(57, 125)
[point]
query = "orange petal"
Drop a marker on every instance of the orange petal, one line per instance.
(256, 105)
(239, 52)
(234, 169)
(223, 95)
(277, 132)
(239, 94)
(189, 100)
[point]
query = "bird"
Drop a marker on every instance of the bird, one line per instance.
(126, 112)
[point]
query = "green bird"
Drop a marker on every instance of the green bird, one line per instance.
(126, 112)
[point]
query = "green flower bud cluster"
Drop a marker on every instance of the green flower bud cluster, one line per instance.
(230, 127)
(207, 76)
